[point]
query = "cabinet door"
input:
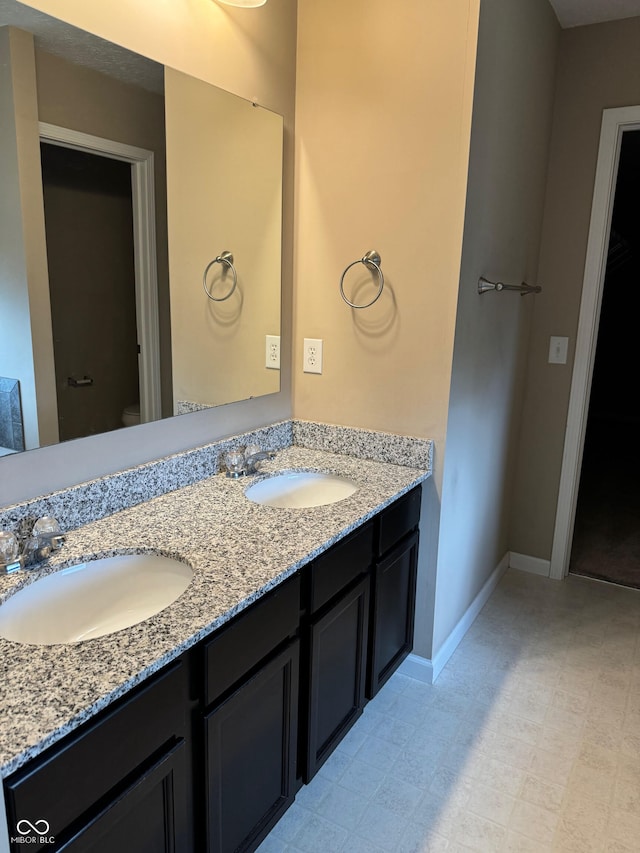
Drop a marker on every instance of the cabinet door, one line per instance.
(73, 781)
(393, 606)
(149, 817)
(338, 654)
(251, 756)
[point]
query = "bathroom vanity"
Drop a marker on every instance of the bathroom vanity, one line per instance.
(195, 729)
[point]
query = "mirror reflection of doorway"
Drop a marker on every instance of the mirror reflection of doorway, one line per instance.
(90, 255)
(606, 540)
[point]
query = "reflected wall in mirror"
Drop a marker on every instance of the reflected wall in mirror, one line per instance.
(92, 328)
(222, 198)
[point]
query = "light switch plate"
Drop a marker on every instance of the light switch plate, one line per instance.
(558, 349)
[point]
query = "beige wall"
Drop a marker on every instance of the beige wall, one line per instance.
(382, 135)
(512, 113)
(383, 111)
(382, 157)
(82, 99)
(50, 89)
(249, 52)
(598, 69)
(26, 351)
(224, 158)
(16, 354)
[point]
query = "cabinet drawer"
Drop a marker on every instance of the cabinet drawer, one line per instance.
(398, 520)
(336, 568)
(250, 637)
(72, 776)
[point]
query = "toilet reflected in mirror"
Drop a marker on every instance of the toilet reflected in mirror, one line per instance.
(131, 415)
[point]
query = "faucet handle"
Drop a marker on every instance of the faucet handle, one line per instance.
(29, 547)
(251, 450)
(234, 461)
(10, 558)
(47, 531)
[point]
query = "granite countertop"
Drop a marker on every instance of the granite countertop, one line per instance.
(237, 549)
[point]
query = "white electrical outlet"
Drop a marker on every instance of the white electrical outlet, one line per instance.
(272, 354)
(312, 361)
(558, 349)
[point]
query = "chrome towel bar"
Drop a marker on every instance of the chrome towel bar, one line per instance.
(523, 289)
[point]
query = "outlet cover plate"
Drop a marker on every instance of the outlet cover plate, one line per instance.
(312, 359)
(272, 352)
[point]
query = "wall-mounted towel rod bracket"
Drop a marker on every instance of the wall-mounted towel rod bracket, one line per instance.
(523, 289)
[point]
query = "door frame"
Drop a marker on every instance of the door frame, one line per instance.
(614, 123)
(145, 260)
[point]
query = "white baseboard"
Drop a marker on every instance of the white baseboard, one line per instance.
(533, 565)
(419, 668)
(427, 670)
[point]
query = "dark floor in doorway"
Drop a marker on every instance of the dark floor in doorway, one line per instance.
(606, 540)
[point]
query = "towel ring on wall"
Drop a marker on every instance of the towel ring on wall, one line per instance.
(227, 259)
(372, 261)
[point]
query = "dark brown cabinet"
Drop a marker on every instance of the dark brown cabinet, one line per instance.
(127, 768)
(392, 612)
(207, 754)
(337, 654)
(335, 632)
(251, 722)
(148, 817)
(251, 741)
(393, 588)
(361, 606)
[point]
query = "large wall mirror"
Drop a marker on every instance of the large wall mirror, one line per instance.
(123, 184)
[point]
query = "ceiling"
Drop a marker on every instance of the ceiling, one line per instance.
(77, 46)
(575, 13)
(62, 39)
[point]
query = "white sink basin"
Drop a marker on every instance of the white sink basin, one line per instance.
(92, 599)
(298, 489)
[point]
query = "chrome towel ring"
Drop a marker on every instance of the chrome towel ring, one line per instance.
(227, 259)
(372, 261)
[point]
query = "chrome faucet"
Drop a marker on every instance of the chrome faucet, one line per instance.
(29, 547)
(251, 459)
(242, 462)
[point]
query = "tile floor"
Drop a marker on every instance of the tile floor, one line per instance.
(528, 742)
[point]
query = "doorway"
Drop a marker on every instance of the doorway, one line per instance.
(606, 538)
(140, 165)
(606, 250)
(90, 255)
